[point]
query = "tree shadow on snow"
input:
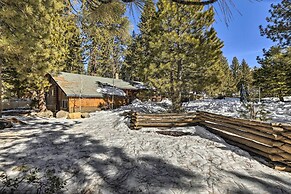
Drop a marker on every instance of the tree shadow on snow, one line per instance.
(91, 166)
(265, 182)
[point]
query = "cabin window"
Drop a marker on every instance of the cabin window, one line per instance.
(64, 104)
(52, 92)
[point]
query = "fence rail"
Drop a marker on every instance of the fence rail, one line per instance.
(139, 120)
(270, 140)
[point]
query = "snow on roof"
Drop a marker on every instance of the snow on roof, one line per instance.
(141, 85)
(75, 85)
(109, 90)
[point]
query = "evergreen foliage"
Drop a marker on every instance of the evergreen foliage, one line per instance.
(180, 50)
(37, 38)
(235, 69)
(246, 75)
(227, 86)
(106, 35)
(279, 27)
(74, 62)
(139, 53)
(274, 75)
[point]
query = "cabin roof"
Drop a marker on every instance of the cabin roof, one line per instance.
(77, 85)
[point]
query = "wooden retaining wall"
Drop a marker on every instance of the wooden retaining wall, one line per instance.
(139, 120)
(270, 140)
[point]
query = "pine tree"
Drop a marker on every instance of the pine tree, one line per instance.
(183, 50)
(133, 60)
(278, 29)
(236, 73)
(33, 38)
(246, 74)
(274, 75)
(74, 62)
(138, 54)
(106, 34)
(227, 87)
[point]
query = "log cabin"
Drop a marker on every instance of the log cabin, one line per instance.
(82, 93)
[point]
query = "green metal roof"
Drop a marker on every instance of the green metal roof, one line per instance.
(77, 85)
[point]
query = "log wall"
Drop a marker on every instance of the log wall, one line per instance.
(270, 140)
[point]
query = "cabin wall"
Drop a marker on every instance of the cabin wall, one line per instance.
(56, 99)
(86, 104)
(94, 104)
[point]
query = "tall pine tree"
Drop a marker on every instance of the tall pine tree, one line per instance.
(183, 50)
(33, 36)
(274, 75)
(106, 31)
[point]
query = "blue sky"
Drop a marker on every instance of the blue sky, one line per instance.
(242, 36)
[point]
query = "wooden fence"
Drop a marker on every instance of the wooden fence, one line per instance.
(270, 140)
(139, 120)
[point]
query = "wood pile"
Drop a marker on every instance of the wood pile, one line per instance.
(270, 140)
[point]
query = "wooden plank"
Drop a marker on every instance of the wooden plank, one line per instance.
(286, 140)
(272, 157)
(166, 117)
(286, 148)
(246, 129)
(167, 121)
(242, 121)
(244, 134)
(268, 129)
(247, 142)
(285, 155)
(287, 134)
(163, 124)
(165, 114)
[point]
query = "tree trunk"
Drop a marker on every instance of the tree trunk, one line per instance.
(1, 107)
(41, 101)
(177, 100)
(281, 98)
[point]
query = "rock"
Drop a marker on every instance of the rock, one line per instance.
(85, 115)
(62, 114)
(45, 114)
(74, 115)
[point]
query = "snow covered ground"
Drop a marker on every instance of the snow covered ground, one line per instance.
(101, 154)
(274, 111)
